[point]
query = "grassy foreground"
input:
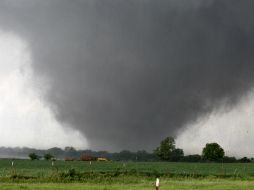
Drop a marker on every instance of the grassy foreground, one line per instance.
(76, 175)
(190, 184)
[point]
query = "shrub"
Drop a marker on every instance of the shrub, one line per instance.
(48, 156)
(34, 156)
(245, 160)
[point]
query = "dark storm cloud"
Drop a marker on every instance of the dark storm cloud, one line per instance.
(128, 73)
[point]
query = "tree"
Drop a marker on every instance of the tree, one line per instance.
(127, 155)
(164, 151)
(244, 160)
(48, 156)
(192, 158)
(57, 152)
(71, 152)
(177, 155)
(212, 152)
(34, 156)
(228, 159)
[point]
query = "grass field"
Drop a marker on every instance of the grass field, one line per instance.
(194, 184)
(35, 168)
(26, 174)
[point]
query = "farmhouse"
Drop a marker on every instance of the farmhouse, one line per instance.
(102, 159)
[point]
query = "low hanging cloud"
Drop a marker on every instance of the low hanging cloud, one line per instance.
(128, 73)
(232, 129)
(25, 120)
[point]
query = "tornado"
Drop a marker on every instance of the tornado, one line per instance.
(126, 74)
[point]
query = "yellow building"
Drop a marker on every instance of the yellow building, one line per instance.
(102, 159)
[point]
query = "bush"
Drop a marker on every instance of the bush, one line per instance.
(69, 159)
(192, 158)
(48, 156)
(228, 159)
(34, 156)
(245, 160)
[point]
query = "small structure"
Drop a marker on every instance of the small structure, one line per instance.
(157, 184)
(85, 157)
(102, 159)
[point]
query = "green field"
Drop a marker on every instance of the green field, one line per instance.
(26, 174)
(143, 185)
(37, 168)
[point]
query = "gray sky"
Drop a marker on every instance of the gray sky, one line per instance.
(125, 74)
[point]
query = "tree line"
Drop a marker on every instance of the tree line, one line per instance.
(166, 151)
(212, 152)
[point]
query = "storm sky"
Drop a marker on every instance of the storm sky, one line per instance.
(125, 74)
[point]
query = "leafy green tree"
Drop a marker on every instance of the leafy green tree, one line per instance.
(177, 155)
(164, 151)
(34, 156)
(213, 152)
(48, 156)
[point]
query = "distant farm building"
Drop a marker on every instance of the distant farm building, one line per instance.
(102, 159)
(85, 157)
